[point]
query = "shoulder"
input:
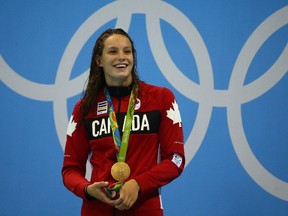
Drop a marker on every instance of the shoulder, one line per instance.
(146, 88)
(77, 105)
(77, 110)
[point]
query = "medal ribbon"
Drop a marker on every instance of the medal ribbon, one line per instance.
(121, 146)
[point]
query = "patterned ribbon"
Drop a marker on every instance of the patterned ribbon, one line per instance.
(121, 146)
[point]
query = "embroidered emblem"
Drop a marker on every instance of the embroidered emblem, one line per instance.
(102, 107)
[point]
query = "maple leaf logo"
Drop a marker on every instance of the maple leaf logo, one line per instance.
(174, 114)
(71, 127)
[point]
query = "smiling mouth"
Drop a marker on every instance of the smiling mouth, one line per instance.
(120, 66)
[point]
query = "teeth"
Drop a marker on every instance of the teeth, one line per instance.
(120, 66)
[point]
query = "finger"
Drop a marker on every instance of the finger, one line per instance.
(96, 190)
(118, 201)
(114, 195)
(122, 206)
(101, 184)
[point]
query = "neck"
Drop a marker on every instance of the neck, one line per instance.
(120, 82)
(120, 91)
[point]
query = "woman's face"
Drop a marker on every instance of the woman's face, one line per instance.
(117, 60)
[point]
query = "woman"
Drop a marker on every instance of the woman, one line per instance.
(132, 131)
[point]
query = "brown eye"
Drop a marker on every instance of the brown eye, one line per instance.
(128, 51)
(112, 51)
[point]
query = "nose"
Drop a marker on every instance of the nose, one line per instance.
(121, 56)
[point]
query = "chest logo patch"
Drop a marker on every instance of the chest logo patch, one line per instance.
(102, 107)
(138, 104)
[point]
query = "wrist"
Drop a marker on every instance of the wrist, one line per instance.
(87, 195)
(136, 185)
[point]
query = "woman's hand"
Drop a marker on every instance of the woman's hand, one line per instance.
(96, 190)
(128, 195)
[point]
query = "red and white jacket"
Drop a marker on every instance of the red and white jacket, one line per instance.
(155, 152)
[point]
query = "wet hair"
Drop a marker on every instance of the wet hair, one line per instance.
(96, 80)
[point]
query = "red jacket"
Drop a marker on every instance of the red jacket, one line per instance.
(155, 152)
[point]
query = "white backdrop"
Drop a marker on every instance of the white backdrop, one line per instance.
(226, 62)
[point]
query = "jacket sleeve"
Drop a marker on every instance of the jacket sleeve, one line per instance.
(172, 157)
(75, 155)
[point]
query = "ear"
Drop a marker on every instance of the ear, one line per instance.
(98, 61)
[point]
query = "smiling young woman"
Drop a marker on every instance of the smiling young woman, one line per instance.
(118, 109)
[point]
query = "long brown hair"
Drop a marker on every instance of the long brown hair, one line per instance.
(96, 79)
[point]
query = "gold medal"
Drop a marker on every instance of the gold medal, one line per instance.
(120, 171)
